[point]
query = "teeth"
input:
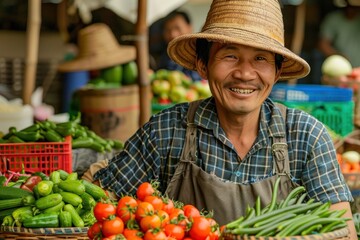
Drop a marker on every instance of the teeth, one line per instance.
(242, 91)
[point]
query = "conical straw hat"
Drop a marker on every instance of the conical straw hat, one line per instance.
(98, 48)
(255, 23)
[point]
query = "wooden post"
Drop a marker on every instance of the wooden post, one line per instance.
(32, 47)
(299, 32)
(142, 59)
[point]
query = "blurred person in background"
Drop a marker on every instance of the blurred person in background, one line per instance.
(175, 24)
(340, 32)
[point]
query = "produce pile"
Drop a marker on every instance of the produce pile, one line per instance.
(49, 131)
(115, 76)
(41, 201)
(169, 87)
(150, 216)
(349, 161)
(295, 215)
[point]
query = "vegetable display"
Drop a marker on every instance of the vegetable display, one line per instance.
(293, 216)
(150, 216)
(58, 200)
(49, 131)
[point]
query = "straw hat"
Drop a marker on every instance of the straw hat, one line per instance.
(255, 23)
(98, 48)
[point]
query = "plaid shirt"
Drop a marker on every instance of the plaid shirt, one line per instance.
(153, 152)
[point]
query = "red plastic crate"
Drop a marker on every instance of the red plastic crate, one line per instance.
(36, 157)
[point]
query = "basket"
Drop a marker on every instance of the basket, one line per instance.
(338, 116)
(348, 143)
(36, 157)
(347, 83)
(17, 233)
(310, 93)
(340, 234)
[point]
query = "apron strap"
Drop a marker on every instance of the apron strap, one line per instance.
(280, 149)
(188, 153)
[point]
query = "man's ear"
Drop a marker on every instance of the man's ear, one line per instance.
(201, 68)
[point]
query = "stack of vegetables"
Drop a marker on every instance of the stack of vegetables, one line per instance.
(295, 215)
(39, 201)
(349, 161)
(150, 216)
(49, 131)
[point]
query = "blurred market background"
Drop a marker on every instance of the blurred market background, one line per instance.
(53, 92)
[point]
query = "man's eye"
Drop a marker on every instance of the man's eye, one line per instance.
(230, 57)
(260, 58)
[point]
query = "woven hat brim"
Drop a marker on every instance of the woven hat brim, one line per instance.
(121, 55)
(182, 49)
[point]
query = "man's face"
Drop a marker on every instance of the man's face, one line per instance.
(175, 27)
(240, 77)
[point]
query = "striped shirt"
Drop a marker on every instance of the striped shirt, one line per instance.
(153, 152)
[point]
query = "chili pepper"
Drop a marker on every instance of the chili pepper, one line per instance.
(31, 128)
(53, 136)
(14, 139)
(29, 136)
(81, 142)
(31, 182)
(41, 174)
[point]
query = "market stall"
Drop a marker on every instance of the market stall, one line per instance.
(42, 194)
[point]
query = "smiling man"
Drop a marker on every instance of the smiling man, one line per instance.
(221, 153)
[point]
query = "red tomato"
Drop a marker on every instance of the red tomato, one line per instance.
(134, 238)
(112, 226)
(168, 205)
(144, 189)
(103, 211)
(143, 209)
(132, 233)
(156, 201)
(164, 216)
(150, 222)
(94, 231)
(184, 222)
(175, 213)
(191, 211)
(126, 208)
(154, 235)
(175, 231)
(214, 235)
(200, 228)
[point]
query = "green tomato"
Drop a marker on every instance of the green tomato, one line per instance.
(130, 73)
(112, 74)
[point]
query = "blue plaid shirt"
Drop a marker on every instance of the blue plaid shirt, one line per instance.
(153, 152)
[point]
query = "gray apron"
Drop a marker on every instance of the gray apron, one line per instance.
(228, 200)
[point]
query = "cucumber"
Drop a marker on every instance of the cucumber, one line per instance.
(88, 202)
(73, 186)
(76, 219)
(95, 191)
(48, 220)
(71, 198)
(11, 193)
(63, 174)
(73, 176)
(65, 219)
(57, 208)
(48, 201)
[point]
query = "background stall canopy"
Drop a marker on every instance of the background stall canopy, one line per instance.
(127, 9)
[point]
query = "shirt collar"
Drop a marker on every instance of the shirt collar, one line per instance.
(271, 121)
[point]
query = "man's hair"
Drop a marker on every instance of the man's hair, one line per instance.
(176, 13)
(203, 49)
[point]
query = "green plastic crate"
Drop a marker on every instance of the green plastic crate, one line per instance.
(338, 116)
